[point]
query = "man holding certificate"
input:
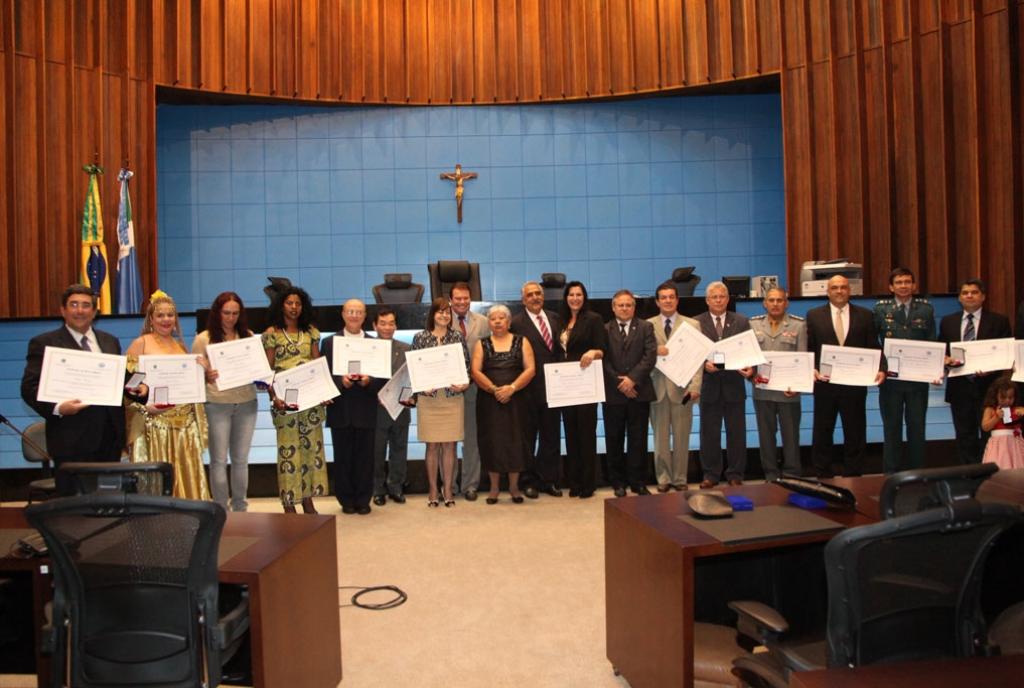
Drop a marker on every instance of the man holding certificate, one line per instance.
(723, 394)
(904, 316)
(778, 410)
(352, 418)
(966, 394)
(75, 431)
(839, 323)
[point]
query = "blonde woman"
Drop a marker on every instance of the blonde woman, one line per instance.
(174, 434)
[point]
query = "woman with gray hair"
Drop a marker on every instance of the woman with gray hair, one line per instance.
(502, 366)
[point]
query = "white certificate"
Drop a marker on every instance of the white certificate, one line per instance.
(914, 360)
(361, 356)
(1018, 361)
(396, 390)
(687, 350)
(239, 362)
(92, 378)
(849, 365)
(787, 371)
(740, 350)
(181, 374)
(312, 380)
(982, 356)
(437, 367)
(569, 385)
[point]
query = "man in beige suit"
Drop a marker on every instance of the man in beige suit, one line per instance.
(473, 327)
(673, 405)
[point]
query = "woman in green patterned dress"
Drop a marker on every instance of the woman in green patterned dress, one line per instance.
(291, 340)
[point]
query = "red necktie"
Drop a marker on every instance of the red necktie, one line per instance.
(544, 332)
(462, 325)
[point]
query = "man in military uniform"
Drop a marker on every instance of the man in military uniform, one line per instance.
(904, 316)
(774, 410)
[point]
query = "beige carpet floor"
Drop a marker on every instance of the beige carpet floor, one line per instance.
(502, 595)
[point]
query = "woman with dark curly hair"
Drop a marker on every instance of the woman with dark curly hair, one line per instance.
(291, 340)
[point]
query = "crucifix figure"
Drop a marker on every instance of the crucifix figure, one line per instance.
(458, 177)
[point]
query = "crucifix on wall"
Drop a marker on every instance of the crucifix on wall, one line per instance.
(458, 177)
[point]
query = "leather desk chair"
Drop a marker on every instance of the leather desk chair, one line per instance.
(445, 273)
(45, 487)
(686, 281)
(553, 284)
(398, 287)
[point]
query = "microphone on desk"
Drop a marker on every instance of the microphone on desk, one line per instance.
(833, 494)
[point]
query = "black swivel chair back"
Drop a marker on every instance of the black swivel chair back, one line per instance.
(135, 590)
(398, 287)
(44, 487)
(553, 284)
(686, 281)
(445, 273)
(915, 490)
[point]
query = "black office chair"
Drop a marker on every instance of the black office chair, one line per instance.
(445, 273)
(398, 287)
(135, 591)
(34, 451)
(925, 488)
(906, 588)
(686, 281)
(276, 286)
(553, 284)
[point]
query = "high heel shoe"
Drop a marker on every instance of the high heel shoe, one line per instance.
(517, 499)
(492, 499)
(289, 508)
(449, 501)
(307, 506)
(432, 501)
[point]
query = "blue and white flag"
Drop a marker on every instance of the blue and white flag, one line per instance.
(129, 289)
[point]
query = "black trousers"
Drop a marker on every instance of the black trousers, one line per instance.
(353, 465)
(107, 449)
(966, 399)
(848, 404)
(711, 416)
(626, 424)
(580, 446)
(544, 437)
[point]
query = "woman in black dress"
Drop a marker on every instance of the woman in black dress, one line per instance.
(584, 339)
(502, 366)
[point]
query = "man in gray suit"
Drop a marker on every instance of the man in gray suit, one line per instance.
(393, 434)
(628, 362)
(473, 328)
(672, 409)
(778, 331)
(723, 395)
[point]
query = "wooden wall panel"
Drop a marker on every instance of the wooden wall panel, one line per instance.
(901, 118)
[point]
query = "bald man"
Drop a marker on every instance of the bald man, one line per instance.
(352, 419)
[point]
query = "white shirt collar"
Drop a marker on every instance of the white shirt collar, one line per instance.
(77, 336)
(977, 316)
(349, 334)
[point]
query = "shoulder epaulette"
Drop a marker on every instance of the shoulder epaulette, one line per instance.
(796, 317)
(885, 302)
(758, 317)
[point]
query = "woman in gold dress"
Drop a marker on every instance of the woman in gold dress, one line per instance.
(291, 340)
(174, 433)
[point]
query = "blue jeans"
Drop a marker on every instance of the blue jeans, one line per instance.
(231, 428)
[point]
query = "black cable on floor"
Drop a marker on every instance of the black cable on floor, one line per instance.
(398, 600)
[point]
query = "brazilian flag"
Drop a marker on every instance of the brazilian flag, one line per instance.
(94, 254)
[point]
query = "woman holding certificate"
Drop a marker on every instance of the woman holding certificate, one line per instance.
(502, 365)
(440, 414)
(160, 431)
(231, 412)
(584, 339)
(291, 340)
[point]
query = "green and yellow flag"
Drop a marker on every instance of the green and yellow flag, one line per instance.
(94, 254)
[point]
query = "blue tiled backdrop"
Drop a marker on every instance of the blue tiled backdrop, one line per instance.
(616, 194)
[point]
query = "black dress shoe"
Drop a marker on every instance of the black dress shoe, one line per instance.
(620, 492)
(517, 499)
(552, 490)
(586, 494)
(348, 509)
(641, 490)
(664, 488)
(380, 500)
(469, 495)
(397, 498)
(573, 492)
(531, 492)
(363, 510)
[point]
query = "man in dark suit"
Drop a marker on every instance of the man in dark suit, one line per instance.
(352, 419)
(723, 395)
(541, 328)
(965, 394)
(75, 431)
(632, 351)
(839, 323)
(391, 439)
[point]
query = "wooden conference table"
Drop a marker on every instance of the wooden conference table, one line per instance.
(662, 573)
(289, 563)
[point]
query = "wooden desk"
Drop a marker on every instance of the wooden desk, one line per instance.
(292, 573)
(991, 672)
(652, 563)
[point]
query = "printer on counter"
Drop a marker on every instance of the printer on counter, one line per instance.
(815, 274)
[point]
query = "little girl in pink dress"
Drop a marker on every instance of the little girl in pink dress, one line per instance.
(1005, 447)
